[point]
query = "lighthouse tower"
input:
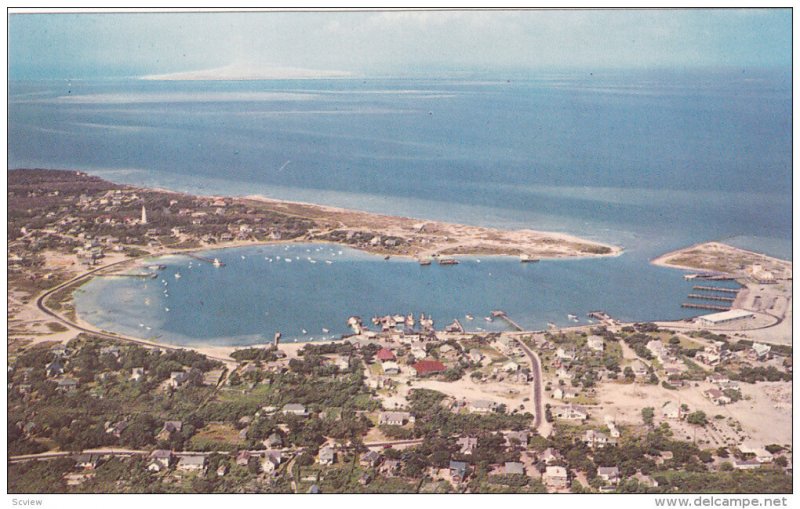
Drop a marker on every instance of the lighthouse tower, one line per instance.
(144, 215)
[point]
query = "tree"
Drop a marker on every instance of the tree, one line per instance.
(647, 415)
(697, 418)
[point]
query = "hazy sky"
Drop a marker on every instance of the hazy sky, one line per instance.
(380, 43)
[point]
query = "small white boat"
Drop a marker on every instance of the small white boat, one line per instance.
(141, 325)
(324, 330)
(288, 260)
(216, 263)
(469, 316)
(304, 331)
(328, 262)
(488, 318)
(177, 275)
(478, 261)
(312, 261)
(242, 257)
(166, 309)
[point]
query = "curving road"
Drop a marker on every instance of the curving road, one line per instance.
(40, 303)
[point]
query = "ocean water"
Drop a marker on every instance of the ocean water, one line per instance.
(652, 161)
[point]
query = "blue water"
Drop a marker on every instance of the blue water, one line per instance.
(254, 297)
(652, 161)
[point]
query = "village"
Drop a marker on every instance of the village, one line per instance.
(448, 411)
(401, 405)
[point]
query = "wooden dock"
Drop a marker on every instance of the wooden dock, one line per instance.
(502, 314)
(711, 307)
(204, 259)
(710, 297)
(716, 289)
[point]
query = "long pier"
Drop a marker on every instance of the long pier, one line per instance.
(710, 297)
(502, 314)
(711, 307)
(716, 289)
(204, 259)
(145, 275)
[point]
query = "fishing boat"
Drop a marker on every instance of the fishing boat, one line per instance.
(574, 318)
(177, 275)
(469, 316)
(216, 263)
(488, 318)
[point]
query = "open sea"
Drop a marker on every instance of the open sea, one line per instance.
(651, 161)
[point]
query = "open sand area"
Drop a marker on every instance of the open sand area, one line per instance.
(764, 402)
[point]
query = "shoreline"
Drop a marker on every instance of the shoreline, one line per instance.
(415, 239)
(291, 348)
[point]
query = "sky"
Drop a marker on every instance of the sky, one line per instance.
(107, 45)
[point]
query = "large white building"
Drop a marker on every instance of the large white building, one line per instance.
(725, 317)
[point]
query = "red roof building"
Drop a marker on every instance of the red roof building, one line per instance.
(384, 354)
(427, 367)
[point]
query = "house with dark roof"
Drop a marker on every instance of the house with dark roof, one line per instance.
(370, 459)
(55, 368)
(160, 459)
(458, 471)
(87, 461)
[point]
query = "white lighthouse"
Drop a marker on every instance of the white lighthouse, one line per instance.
(144, 215)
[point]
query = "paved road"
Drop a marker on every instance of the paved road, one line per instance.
(44, 309)
(53, 455)
(393, 442)
(539, 422)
